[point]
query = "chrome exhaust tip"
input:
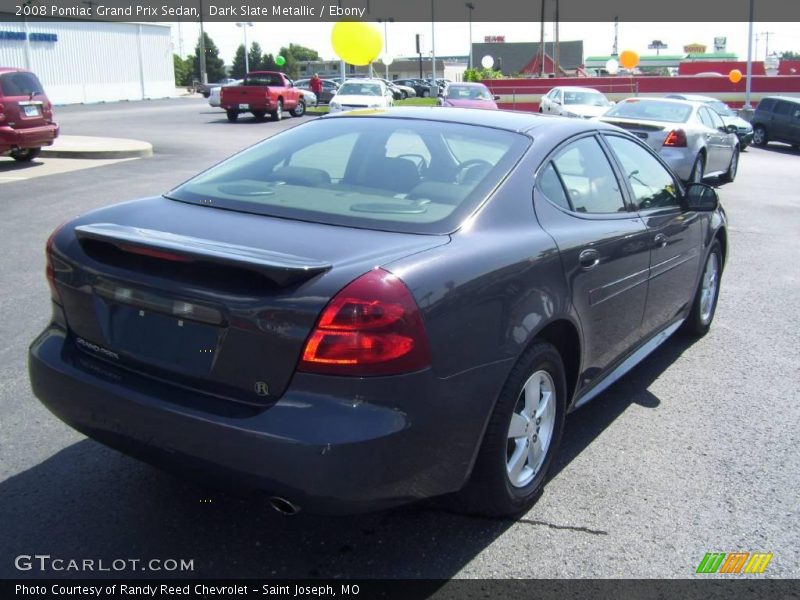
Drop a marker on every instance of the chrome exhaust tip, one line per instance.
(283, 506)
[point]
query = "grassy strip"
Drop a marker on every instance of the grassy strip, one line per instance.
(323, 108)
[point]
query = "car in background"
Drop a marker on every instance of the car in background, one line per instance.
(744, 130)
(26, 115)
(468, 95)
(262, 93)
(777, 119)
(206, 88)
(361, 93)
(406, 91)
(573, 101)
(321, 318)
(422, 88)
(216, 92)
(689, 136)
(329, 87)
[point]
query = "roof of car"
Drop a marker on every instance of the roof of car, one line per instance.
(509, 120)
(575, 88)
(467, 84)
(692, 98)
(793, 99)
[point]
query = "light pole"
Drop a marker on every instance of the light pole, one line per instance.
(385, 22)
(470, 7)
(433, 47)
(203, 72)
(244, 26)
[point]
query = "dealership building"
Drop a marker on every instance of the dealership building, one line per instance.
(80, 61)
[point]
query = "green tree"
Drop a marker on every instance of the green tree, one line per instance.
(238, 69)
(268, 63)
(183, 71)
(215, 67)
(301, 53)
(291, 68)
(790, 55)
(255, 57)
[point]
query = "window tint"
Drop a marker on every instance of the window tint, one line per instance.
(653, 186)
(332, 153)
(409, 145)
(551, 186)
(652, 110)
(766, 104)
(592, 185)
(20, 84)
(717, 121)
(705, 117)
(782, 108)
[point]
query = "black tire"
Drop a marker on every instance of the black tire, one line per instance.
(403, 94)
(25, 154)
(699, 321)
(490, 491)
(278, 114)
(698, 169)
(299, 110)
(760, 137)
(733, 168)
(426, 93)
(233, 115)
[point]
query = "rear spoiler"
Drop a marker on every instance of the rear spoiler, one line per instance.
(283, 269)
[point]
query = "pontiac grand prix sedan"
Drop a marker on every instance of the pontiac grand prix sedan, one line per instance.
(379, 306)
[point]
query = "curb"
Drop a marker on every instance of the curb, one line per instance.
(97, 148)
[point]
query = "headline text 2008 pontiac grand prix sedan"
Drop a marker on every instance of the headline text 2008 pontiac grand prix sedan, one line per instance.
(378, 307)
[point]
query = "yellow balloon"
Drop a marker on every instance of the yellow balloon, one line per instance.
(735, 76)
(356, 43)
(628, 59)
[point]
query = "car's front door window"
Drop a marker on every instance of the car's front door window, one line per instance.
(652, 184)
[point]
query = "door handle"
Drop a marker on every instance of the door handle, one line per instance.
(589, 258)
(660, 240)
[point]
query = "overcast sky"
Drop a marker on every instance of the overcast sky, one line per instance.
(453, 38)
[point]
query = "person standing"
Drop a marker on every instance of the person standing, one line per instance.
(316, 86)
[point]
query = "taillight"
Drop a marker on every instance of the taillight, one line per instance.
(676, 138)
(371, 327)
(2, 113)
(49, 268)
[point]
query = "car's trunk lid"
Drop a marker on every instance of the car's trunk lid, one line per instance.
(652, 133)
(215, 300)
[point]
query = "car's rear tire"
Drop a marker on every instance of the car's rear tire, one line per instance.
(698, 169)
(705, 301)
(729, 175)
(233, 115)
(299, 110)
(426, 93)
(760, 136)
(277, 115)
(25, 154)
(521, 438)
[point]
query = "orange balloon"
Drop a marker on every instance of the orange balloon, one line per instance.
(735, 76)
(628, 59)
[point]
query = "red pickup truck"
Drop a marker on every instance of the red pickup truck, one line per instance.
(263, 92)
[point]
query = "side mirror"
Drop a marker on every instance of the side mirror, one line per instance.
(556, 101)
(701, 197)
(731, 128)
(495, 97)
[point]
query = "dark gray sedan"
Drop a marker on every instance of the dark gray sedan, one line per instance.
(378, 307)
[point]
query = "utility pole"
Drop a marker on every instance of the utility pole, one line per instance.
(748, 81)
(557, 64)
(766, 35)
(614, 51)
(541, 42)
(470, 7)
(433, 47)
(386, 42)
(203, 72)
(244, 26)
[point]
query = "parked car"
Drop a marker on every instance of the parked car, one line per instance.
(378, 306)
(206, 88)
(777, 119)
(421, 88)
(468, 95)
(263, 92)
(216, 93)
(26, 115)
(397, 92)
(574, 102)
(744, 130)
(406, 91)
(690, 136)
(361, 93)
(329, 88)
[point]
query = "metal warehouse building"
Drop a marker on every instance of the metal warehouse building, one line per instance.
(92, 62)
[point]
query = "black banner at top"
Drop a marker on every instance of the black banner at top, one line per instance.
(404, 10)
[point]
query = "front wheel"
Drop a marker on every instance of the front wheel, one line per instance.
(233, 115)
(522, 437)
(25, 154)
(760, 136)
(278, 114)
(733, 167)
(299, 110)
(705, 302)
(426, 93)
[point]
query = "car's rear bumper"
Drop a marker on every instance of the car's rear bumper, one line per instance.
(30, 137)
(329, 444)
(680, 161)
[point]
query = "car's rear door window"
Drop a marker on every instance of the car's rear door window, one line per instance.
(589, 178)
(394, 174)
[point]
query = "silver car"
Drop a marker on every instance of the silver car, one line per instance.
(689, 136)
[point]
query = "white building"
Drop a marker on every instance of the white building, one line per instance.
(83, 61)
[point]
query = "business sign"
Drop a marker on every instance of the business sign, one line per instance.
(720, 44)
(21, 36)
(494, 39)
(695, 48)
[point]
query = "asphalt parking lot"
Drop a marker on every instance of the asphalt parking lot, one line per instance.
(695, 450)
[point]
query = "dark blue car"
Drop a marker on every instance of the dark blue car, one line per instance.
(378, 307)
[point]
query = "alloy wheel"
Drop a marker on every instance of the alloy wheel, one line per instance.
(708, 289)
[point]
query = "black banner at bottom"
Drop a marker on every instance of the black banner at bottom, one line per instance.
(405, 589)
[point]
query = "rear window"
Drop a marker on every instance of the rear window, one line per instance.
(265, 79)
(766, 104)
(651, 110)
(585, 98)
(20, 84)
(360, 89)
(468, 92)
(382, 173)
